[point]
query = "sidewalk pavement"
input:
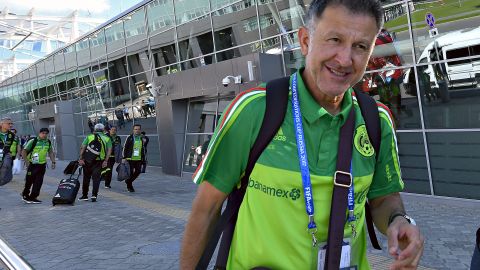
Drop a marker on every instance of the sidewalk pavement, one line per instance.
(143, 230)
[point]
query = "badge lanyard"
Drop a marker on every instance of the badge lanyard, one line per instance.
(304, 169)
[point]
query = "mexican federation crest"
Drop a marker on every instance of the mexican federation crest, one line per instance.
(362, 142)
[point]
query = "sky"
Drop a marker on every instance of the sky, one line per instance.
(100, 9)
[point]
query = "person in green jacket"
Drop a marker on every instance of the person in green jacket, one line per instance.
(8, 150)
(35, 156)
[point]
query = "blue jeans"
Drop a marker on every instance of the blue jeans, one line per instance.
(475, 259)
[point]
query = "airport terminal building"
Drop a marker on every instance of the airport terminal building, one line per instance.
(173, 66)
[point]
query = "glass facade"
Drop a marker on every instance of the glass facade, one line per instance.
(429, 78)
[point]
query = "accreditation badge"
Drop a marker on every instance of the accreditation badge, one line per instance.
(345, 263)
(136, 152)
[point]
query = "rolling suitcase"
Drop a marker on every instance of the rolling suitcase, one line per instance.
(67, 189)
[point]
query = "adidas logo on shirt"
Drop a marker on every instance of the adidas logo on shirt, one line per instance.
(280, 136)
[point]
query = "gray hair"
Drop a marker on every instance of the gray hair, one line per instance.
(4, 119)
(371, 8)
(99, 127)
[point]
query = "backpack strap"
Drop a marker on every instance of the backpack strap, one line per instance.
(34, 143)
(369, 109)
(276, 107)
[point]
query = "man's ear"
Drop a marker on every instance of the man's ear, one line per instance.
(304, 39)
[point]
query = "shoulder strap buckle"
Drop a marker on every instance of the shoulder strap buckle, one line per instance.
(344, 176)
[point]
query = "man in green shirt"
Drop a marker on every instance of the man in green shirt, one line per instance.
(8, 150)
(93, 160)
(35, 155)
(116, 149)
(271, 229)
(134, 153)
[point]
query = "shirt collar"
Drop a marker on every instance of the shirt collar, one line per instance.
(312, 111)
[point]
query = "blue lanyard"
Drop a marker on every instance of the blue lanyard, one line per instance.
(351, 200)
(303, 160)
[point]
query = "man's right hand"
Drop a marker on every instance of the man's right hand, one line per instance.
(124, 160)
(27, 163)
(81, 162)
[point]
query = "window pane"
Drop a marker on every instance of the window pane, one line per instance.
(195, 148)
(449, 102)
(135, 29)
(114, 36)
(280, 16)
(454, 158)
(190, 10)
(396, 89)
(160, 15)
(411, 151)
(201, 116)
(235, 25)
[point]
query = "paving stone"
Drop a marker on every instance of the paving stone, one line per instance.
(143, 230)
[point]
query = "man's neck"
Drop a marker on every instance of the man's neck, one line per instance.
(3, 130)
(332, 104)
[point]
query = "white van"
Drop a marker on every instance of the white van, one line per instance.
(458, 73)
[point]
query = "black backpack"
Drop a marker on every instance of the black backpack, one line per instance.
(93, 149)
(276, 107)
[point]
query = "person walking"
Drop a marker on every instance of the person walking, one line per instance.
(146, 140)
(284, 219)
(134, 154)
(35, 155)
(94, 155)
(126, 113)
(8, 150)
(116, 151)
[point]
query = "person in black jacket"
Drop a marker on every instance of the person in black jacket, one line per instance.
(134, 153)
(146, 140)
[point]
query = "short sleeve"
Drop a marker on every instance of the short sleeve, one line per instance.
(387, 178)
(85, 141)
(229, 148)
(28, 145)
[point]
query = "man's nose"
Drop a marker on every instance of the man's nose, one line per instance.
(344, 56)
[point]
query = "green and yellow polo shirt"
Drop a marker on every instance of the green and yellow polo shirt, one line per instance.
(41, 150)
(137, 146)
(106, 141)
(271, 229)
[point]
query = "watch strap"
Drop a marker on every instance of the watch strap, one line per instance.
(398, 214)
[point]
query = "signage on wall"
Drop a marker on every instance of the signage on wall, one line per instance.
(430, 20)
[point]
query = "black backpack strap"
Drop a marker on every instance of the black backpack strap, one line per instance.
(34, 143)
(369, 109)
(276, 107)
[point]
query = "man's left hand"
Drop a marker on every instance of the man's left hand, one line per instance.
(405, 244)
(104, 164)
(53, 166)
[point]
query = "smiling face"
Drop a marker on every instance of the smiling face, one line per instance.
(336, 51)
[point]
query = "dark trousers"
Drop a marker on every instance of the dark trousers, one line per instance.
(91, 170)
(108, 175)
(135, 169)
(35, 173)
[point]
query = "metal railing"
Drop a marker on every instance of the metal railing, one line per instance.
(10, 259)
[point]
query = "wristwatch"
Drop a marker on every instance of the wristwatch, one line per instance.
(408, 218)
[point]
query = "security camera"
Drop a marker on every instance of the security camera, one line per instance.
(225, 81)
(236, 80)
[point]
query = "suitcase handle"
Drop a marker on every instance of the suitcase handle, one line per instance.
(75, 172)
